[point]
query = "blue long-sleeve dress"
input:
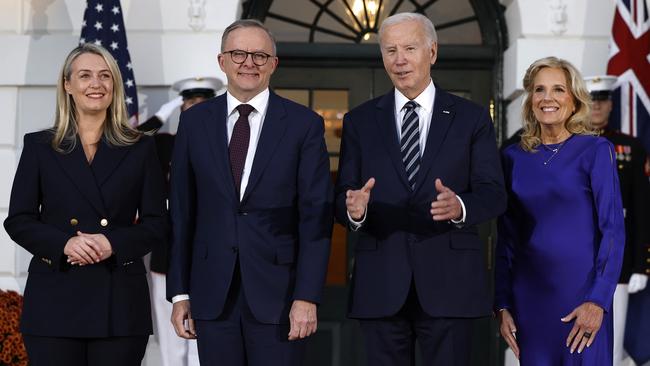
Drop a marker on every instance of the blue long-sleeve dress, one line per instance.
(560, 244)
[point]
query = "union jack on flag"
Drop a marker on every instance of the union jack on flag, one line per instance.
(630, 61)
(103, 25)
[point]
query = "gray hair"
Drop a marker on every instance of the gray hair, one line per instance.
(246, 23)
(427, 25)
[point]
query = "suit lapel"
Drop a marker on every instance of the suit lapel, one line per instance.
(76, 167)
(441, 118)
(216, 126)
(106, 160)
(388, 130)
(274, 127)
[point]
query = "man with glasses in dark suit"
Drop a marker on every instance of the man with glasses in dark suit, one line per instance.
(251, 207)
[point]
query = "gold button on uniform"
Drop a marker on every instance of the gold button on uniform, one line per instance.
(103, 222)
(74, 221)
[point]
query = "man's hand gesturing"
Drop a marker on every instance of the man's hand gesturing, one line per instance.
(357, 201)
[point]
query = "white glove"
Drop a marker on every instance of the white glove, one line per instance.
(638, 282)
(168, 108)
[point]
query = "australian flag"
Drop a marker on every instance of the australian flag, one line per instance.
(103, 25)
(629, 53)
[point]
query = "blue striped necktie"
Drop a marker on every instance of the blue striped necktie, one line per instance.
(410, 143)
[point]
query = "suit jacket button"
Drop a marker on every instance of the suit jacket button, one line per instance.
(74, 221)
(103, 222)
(235, 249)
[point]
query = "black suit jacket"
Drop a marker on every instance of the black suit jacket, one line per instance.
(55, 195)
(399, 242)
(280, 230)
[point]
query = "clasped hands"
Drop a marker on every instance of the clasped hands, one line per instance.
(588, 319)
(86, 249)
(445, 207)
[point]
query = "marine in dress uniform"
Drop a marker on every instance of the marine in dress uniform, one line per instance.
(175, 351)
(630, 160)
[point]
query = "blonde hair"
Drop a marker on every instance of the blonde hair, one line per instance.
(116, 128)
(578, 123)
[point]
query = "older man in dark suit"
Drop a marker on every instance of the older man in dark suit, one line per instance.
(251, 206)
(419, 168)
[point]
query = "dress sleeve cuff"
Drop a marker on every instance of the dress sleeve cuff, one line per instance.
(355, 225)
(464, 213)
(181, 297)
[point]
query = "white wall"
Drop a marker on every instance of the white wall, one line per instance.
(575, 30)
(36, 35)
(164, 48)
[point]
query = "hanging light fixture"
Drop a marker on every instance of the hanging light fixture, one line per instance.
(365, 14)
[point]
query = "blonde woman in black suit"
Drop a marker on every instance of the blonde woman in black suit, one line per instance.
(88, 203)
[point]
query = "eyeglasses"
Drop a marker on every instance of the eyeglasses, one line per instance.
(240, 56)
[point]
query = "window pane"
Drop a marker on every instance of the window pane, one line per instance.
(332, 105)
(300, 96)
(292, 21)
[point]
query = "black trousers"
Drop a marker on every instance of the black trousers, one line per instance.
(109, 351)
(236, 338)
(390, 341)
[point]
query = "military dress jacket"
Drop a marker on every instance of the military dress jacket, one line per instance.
(630, 158)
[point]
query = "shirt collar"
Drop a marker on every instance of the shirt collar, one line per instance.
(259, 102)
(424, 100)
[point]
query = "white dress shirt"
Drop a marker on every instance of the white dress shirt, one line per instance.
(424, 110)
(256, 119)
(425, 102)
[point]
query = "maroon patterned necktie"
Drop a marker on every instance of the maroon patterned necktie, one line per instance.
(238, 147)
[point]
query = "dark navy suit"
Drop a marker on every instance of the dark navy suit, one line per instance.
(275, 242)
(57, 194)
(401, 252)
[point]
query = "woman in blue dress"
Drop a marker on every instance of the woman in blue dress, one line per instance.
(561, 240)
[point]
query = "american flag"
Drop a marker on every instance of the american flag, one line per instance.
(629, 60)
(103, 25)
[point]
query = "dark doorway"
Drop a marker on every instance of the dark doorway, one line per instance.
(333, 74)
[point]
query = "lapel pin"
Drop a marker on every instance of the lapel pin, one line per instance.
(445, 112)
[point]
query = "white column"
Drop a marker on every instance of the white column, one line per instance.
(575, 30)
(168, 41)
